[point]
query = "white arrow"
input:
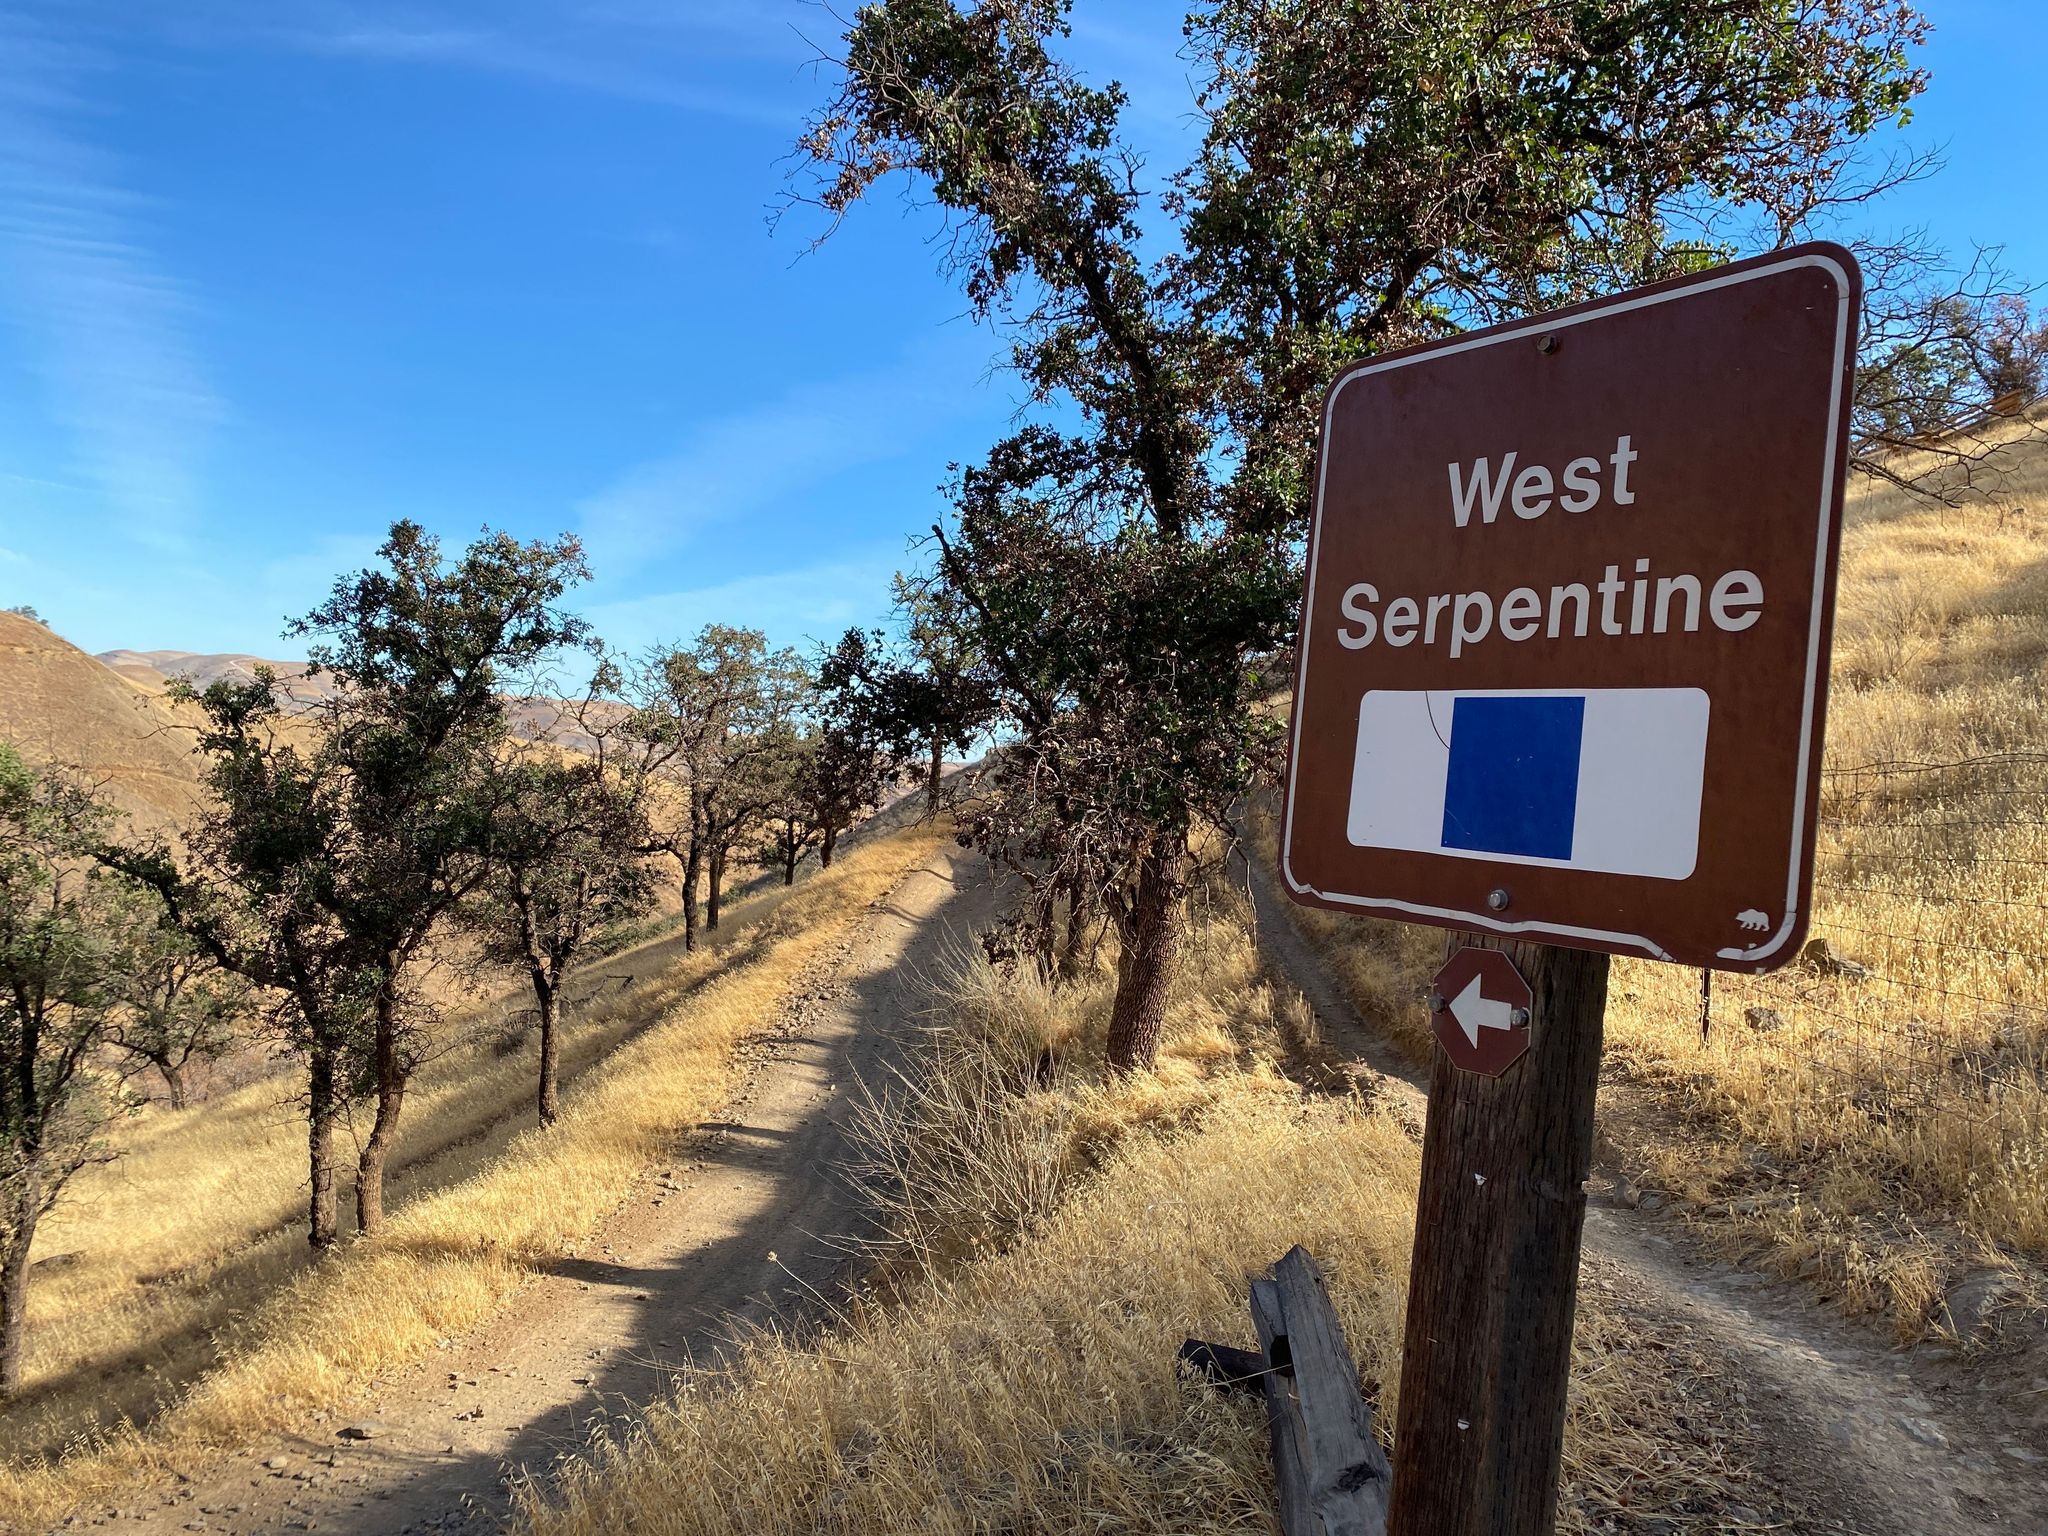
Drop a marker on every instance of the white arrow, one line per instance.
(1474, 1011)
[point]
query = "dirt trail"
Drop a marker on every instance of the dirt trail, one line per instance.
(1847, 1434)
(745, 1227)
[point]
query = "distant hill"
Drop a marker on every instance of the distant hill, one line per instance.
(60, 705)
(154, 671)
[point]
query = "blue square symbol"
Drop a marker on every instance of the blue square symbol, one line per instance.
(1513, 786)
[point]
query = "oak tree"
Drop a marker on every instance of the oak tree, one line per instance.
(568, 858)
(67, 945)
(1373, 172)
(339, 841)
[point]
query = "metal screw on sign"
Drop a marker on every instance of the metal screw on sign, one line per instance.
(1497, 898)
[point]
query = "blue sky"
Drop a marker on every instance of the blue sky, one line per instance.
(276, 272)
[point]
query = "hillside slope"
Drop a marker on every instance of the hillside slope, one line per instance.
(60, 705)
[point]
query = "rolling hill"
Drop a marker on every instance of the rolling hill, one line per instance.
(60, 705)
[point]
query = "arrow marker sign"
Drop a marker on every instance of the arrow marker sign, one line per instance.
(1475, 1012)
(1481, 1004)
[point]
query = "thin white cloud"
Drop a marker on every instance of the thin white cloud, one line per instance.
(800, 606)
(764, 455)
(104, 326)
(669, 54)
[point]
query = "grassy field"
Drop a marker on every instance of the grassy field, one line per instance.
(193, 1306)
(1059, 1235)
(1878, 1133)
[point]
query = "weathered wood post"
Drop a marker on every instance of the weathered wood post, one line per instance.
(1494, 1280)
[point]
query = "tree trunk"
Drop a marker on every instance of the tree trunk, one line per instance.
(933, 774)
(550, 1043)
(174, 1082)
(323, 1223)
(714, 890)
(1077, 928)
(14, 1281)
(693, 863)
(826, 847)
(791, 855)
(390, 1100)
(1144, 971)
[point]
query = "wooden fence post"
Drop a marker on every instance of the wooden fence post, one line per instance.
(1332, 1474)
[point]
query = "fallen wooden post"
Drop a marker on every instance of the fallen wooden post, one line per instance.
(1332, 1474)
(1226, 1369)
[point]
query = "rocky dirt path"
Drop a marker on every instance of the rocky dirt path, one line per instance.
(745, 1227)
(1842, 1432)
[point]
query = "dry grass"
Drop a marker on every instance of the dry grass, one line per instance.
(1878, 1133)
(209, 1196)
(1059, 1236)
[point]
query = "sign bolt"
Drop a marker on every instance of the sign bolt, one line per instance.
(1521, 1018)
(1547, 344)
(1436, 1002)
(1497, 898)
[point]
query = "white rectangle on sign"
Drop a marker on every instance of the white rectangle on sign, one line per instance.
(1600, 779)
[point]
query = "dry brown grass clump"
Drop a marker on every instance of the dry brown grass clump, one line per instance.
(1060, 1235)
(295, 1336)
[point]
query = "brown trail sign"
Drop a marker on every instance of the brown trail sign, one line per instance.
(1562, 678)
(1564, 638)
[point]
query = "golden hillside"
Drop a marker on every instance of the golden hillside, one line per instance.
(60, 705)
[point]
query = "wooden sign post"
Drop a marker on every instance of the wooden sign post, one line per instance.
(1561, 681)
(1494, 1280)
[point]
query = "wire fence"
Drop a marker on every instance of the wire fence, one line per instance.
(1917, 1017)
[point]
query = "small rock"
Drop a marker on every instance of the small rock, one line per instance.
(2020, 1454)
(364, 1429)
(1653, 1200)
(1822, 957)
(1765, 1021)
(1973, 1302)
(278, 1463)
(1742, 1514)
(1926, 1431)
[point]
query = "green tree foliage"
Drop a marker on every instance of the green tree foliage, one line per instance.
(792, 822)
(324, 868)
(713, 716)
(1374, 172)
(568, 859)
(67, 945)
(914, 702)
(183, 1008)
